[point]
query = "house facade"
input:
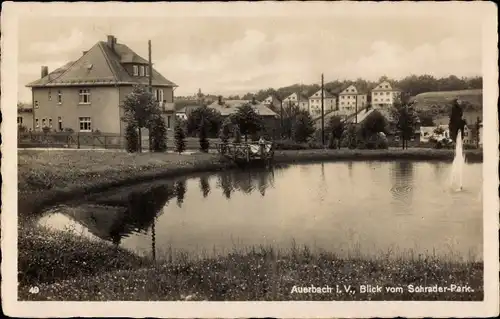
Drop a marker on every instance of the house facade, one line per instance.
(329, 103)
(384, 95)
(351, 99)
(25, 116)
(297, 99)
(85, 95)
(273, 102)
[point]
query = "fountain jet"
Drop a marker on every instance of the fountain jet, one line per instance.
(458, 164)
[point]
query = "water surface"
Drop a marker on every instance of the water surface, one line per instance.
(369, 208)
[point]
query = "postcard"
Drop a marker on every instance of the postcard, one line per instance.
(250, 159)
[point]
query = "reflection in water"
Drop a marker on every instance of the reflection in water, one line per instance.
(180, 191)
(402, 176)
(358, 208)
(245, 181)
(204, 186)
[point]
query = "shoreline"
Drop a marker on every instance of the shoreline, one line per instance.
(35, 199)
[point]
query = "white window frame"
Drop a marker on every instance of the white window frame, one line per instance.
(59, 97)
(50, 122)
(147, 70)
(84, 96)
(161, 95)
(37, 123)
(136, 70)
(44, 122)
(50, 95)
(141, 70)
(59, 123)
(85, 120)
(36, 104)
(19, 120)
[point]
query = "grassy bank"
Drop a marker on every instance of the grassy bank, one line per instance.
(65, 267)
(46, 177)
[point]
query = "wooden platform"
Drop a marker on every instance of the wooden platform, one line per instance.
(247, 152)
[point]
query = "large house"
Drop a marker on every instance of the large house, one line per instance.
(297, 99)
(273, 102)
(384, 95)
(229, 107)
(329, 102)
(350, 100)
(85, 95)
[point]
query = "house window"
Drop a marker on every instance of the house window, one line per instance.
(136, 70)
(44, 122)
(36, 123)
(19, 120)
(168, 122)
(141, 73)
(84, 96)
(59, 125)
(50, 122)
(50, 95)
(59, 97)
(85, 124)
(376, 100)
(147, 70)
(36, 104)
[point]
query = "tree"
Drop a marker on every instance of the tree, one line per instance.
(139, 108)
(303, 127)
(248, 121)
(180, 192)
(180, 137)
(426, 119)
(211, 117)
(202, 134)
(290, 112)
(131, 138)
(374, 123)
(404, 120)
(204, 186)
(158, 134)
(225, 130)
(335, 127)
(456, 121)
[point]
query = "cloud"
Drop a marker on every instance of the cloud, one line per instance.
(63, 44)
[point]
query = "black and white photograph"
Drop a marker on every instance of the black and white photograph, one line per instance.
(261, 154)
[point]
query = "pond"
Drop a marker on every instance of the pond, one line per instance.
(401, 208)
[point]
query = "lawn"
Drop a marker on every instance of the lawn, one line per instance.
(67, 267)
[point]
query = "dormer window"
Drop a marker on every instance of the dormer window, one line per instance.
(136, 70)
(141, 70)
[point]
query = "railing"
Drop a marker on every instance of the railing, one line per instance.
(70, 140)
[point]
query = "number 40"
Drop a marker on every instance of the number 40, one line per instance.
(34, 290)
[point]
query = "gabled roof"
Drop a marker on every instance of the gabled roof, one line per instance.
(327, 94)
(231, 106)
(101, 66)
(391, 87)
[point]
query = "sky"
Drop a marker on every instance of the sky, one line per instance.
(237, 54)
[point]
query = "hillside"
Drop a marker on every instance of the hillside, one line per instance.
(431, 100)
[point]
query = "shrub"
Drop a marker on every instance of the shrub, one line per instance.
(180, 137)
(21, 128)
(131, 138)
(204, 144)
(237, 134)
(158, 135)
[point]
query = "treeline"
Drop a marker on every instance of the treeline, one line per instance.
(412, 85)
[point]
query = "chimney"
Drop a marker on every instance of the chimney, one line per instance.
(111, 42)
(85, 52)
(45, 71)
(220, 99)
